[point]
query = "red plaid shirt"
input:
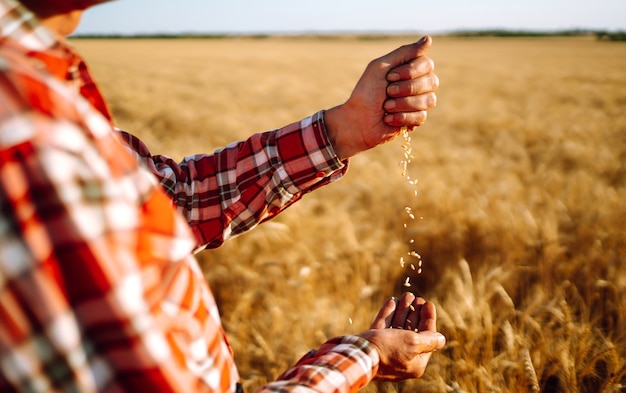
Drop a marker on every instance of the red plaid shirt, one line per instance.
(99, 290)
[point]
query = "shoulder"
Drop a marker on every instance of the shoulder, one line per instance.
(21, 87)
(34, 101)
(26, 88)
(27, 85)
(15, 71)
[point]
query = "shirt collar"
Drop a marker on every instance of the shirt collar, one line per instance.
(18, 24)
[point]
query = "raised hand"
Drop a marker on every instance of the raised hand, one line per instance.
(395, 90)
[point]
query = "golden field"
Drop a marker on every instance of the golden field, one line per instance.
(520, 210)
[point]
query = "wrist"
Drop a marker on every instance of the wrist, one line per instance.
(338, 125)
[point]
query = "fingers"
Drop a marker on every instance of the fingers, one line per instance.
(427, 317)
(431, 341)
(409, 119)
(413, 87)
(410, 93)
(414, 69)
(408, 312)
(414, 313)
(403, 309)
(414, 316)
(414, 90)
(422, 102)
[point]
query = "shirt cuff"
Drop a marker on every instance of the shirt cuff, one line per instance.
(356, 342)
(354, 357)
(307, 155)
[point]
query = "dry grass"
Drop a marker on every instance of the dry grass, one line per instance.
(521, 211)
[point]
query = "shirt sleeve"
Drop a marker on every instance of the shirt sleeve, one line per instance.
(99, 289)
(234, 189)
(342, 364)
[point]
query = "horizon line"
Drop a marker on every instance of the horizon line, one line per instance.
(452, 32)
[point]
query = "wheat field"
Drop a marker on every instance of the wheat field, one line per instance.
(520, 212)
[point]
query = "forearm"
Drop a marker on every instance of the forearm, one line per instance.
(236, 188)
(342, 364)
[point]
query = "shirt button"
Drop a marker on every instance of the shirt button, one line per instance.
(320, 174)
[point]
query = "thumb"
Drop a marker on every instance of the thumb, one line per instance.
(432, 341)
(408, 52)
(385, 315)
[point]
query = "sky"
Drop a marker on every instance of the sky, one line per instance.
(297, 16)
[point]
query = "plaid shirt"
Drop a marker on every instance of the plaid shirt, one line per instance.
(236, 188)
(99, 290)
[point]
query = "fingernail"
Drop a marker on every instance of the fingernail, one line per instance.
(441, 341)
(393, 77)
(389, 105)
(422, 40)
(393, 90)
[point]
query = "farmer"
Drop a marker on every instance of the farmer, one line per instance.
(99, 289)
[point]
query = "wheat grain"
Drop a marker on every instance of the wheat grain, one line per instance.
(414, 254)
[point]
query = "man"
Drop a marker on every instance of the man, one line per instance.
(99, 290)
